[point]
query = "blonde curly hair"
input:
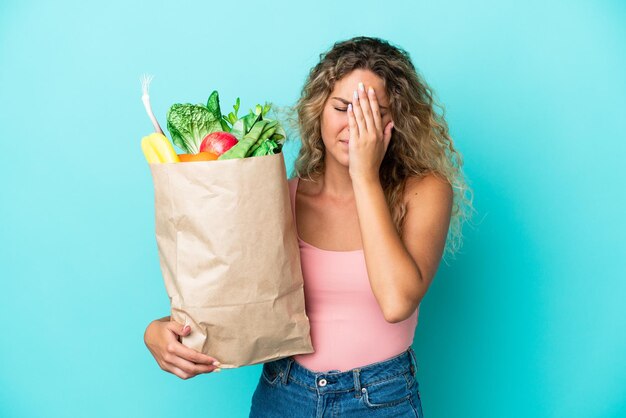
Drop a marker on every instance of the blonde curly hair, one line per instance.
(420, 144)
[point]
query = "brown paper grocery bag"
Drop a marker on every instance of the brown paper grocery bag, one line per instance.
(230, 260)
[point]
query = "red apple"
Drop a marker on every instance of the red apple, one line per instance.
(218, 142)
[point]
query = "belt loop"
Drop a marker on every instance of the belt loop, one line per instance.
(357, 382)
(412, 353)
(287, 370)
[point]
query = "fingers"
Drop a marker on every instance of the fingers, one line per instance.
(184, 358)
(354, 129)
(191, 355)
(174, 357)
(375, 109)
(178, 328)
(189, 368)
(185, 362)
(179, 350)
(178, 372)
(366, 110)
(358, 114)
(184, 374)
(387, 134)
(176, 348)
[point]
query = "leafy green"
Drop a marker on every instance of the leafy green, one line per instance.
(242, 126)
(269, 147)
(268, 131)
(241, 148)
(213, 104)
(232, 116)
(257, 135)
(189, 124)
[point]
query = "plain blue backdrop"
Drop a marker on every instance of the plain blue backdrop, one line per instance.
(529, 321)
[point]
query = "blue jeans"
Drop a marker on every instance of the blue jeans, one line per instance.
(384, 389)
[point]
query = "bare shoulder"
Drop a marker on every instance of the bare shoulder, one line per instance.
(303, 190)
(307, 187)
(429, 188)
(429, 206)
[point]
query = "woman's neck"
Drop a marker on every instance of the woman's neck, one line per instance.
(336, 182)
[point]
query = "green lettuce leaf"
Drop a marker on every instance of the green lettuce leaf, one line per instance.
(213, 104)
(268, 147)
(189, 124)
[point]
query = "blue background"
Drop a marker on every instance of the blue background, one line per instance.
(529, 321)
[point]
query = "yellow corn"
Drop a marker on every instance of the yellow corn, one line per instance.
(158, 149)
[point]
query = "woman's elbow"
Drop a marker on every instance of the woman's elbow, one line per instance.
(399, 312)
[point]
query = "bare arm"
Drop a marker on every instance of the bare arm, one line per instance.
(400, 270)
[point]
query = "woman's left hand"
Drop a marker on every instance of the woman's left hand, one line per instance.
(368, 140)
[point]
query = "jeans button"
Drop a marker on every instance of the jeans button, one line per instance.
(322, 382)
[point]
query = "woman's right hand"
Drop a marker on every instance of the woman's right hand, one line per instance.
(161, 338)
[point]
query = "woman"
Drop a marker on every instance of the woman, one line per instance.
(378, 189)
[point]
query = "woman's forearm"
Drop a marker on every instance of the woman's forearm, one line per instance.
(394, 277)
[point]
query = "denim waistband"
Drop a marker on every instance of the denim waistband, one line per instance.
(355, 379)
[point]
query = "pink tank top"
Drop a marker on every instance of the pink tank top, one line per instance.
(348, 329)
